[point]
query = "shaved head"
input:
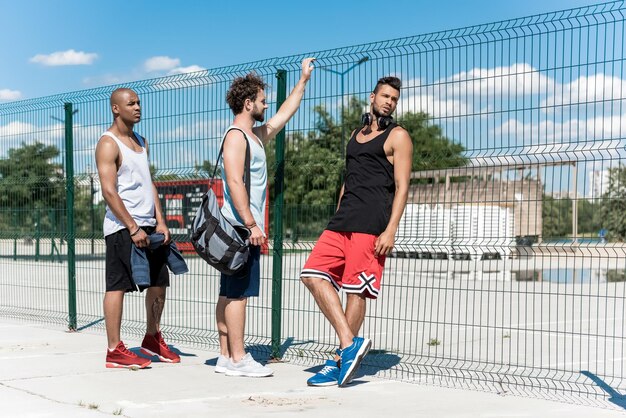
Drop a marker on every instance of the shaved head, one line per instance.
(125, 104)
(118, 95)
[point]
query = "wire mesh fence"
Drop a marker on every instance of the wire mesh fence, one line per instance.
(508, 271)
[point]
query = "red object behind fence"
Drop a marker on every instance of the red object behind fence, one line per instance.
(180, 200)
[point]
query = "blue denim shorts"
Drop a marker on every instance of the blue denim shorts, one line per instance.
(245, 282)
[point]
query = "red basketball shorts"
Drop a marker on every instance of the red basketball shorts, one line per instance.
(347, 260)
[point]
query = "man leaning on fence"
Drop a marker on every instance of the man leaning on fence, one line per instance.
(246, 98)
(350, 253)
(133, 224)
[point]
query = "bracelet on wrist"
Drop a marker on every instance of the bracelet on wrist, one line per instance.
(136, 231)
(252, 225)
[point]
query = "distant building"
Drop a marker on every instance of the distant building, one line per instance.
(480, 214)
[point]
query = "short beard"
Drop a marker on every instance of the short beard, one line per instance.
(259, 117)
(376, 112)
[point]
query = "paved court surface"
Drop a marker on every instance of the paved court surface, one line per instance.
(47, 372)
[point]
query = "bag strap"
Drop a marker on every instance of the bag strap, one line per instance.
(142, 142)
(247, 168)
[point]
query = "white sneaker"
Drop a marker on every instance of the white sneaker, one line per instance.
(248, 367)
(222, 364)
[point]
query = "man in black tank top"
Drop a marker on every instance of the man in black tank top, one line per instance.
(350, 253)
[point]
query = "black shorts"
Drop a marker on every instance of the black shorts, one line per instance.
(246, 282)
(118, 271)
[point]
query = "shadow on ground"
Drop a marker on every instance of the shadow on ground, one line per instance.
(614, 396)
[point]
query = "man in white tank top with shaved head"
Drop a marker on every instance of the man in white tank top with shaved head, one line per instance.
(133, 212)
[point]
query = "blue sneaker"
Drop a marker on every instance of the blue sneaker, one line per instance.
(351, 357)
(328, 376)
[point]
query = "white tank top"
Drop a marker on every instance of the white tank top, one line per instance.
(258, 185)
(134, 186)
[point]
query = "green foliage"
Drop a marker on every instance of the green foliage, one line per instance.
(615, 276)
(29, 178)
(32, 189)
(33, 196)
(589, 221)
(557, 217)
(431, 149)
(433, 342)
(613, 205)
(206, 169)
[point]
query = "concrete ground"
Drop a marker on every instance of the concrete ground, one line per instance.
(47, 372)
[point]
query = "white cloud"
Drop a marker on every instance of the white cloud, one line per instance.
(547, 131)
(410, 83)
(85, 137)
(69, 57)
(13, 134)
(433, 104)
(466, 91)
(161, 63)
(597, 87)
(185, 70)
(6, 94)
(16, 128)
(516, 79)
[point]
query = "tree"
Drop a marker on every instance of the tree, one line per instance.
(431, 149)
(613, 205)
(32, 188)
(206, 169)
(557, 217)
(589, 220)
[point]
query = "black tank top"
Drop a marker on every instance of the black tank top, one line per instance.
(369, 187)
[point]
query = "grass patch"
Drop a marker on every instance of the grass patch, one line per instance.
(433, 342)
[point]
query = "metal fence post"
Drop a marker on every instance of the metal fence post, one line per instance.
(277, 272)
(69, 188)
(37, 234)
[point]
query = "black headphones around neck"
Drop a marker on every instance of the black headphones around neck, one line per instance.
(382, 121)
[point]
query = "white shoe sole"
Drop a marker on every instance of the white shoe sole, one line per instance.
(365, 348)
(322, 384)
(236, 373)
(150, 353)
(220, 369)
(112, 365)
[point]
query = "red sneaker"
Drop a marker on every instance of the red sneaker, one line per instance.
(154, 345)
(122, 357)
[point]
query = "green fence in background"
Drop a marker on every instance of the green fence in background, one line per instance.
(509, 268)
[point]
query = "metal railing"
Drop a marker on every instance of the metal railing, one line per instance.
(508, 272)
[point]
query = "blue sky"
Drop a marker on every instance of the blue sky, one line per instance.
(55, 46)
(513, 98)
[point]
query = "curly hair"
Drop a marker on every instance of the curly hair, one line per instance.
(243, 88)
(388, 81)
